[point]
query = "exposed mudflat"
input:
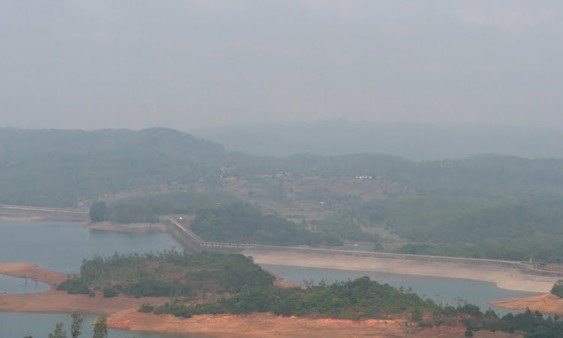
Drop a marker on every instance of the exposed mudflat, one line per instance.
(503, 277)
(33, 272)
(268, 325)
(546, 303)
(123, 314)
(127, 228)
(61, 302)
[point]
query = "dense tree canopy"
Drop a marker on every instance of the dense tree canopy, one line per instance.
(167, 274)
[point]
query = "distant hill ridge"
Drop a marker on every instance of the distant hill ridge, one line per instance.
(61, 167)
(413, 141)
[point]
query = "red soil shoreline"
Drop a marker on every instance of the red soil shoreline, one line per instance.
(122, 314)
(33, 272)
(546, 303)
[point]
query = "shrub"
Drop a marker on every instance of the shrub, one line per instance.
(558, 289)
(109, 292)
(146, 308)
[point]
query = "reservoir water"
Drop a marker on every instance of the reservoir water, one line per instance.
(18, 285)
(441, 290)
(62, 247)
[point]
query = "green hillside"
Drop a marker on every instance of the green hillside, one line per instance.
(59, 168)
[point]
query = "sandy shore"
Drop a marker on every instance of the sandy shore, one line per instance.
(546, 303)
(506, 278)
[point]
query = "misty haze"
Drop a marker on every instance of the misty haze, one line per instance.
(310, 168)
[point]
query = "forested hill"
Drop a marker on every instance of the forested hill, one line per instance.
(58, 168)
(477, 175)
(412, 141)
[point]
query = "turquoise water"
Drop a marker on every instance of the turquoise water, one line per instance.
(62, 247)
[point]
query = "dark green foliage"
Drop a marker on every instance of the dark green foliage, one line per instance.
(76, 326)
(146, 209)
(360, 298)
(483, 206)
(58, 168)
(510, 229)
(244, 223)
(558, 289)
(59, 331)
(345, 226)
(101, 328)
(109, 292)
(146, 308)
(531, 324)
(167, 274)
(75, 286)
(483, 175)
(100, 212)
(416, 315)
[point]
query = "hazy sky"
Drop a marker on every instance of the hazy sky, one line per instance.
(188, 64)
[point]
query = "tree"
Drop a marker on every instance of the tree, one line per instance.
(59, 331)
(416, 315)
(99, 212)
(100, 328)
(75, 329)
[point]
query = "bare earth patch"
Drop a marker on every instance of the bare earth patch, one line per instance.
(268, 325)
(505, 278)
(123, 314)
(33, 272)
(61, 302)
(546, 303)
(128, 228)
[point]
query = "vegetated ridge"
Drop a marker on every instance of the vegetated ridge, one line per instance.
(505, 207)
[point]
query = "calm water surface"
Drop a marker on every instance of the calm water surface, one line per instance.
(441, 290)
(19, 285)
(62, 247)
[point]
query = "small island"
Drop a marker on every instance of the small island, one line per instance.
(167, 274)
(226, 294)
(211, 284)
